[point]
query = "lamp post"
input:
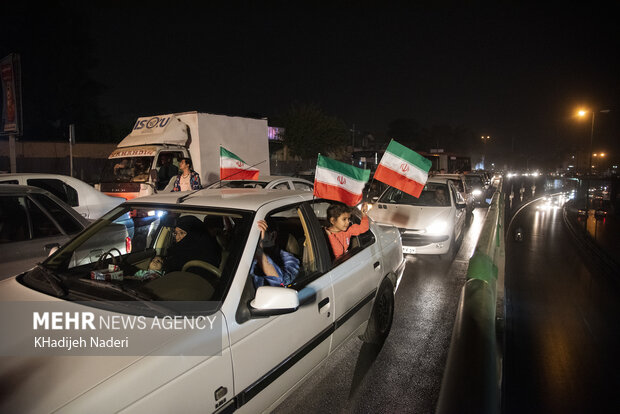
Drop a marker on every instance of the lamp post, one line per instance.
(582, 113)
(484, 152)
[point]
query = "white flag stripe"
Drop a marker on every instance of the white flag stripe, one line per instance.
(226, 162)
(395, 163)
(330, 177)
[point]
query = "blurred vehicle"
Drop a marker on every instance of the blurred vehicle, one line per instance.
(427, 225)
(461, 185)
(269, 338)
(278, 182)
(84, 198)
(476, 183)
(34, 223)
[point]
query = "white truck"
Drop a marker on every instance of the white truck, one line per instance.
(144, 162)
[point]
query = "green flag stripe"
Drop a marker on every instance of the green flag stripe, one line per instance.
(225, 153)
(409, 155)
(344, 169)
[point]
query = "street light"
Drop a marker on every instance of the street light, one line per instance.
(582, 114)
(484, 155)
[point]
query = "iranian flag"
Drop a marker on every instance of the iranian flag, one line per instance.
(234, 168)
(403, 168)
(335, 180)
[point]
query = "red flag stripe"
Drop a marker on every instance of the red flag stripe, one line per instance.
(332, 192)
(238, 174)
(399, 181)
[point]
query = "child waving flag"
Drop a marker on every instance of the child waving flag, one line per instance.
(335, 180)
(234, 168)
(403, 168)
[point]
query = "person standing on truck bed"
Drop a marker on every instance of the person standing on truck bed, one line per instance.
(187, 179)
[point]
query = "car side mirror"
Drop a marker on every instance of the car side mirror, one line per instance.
(51, 248)
(273, 300)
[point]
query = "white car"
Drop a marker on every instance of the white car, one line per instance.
(266, 340)
(278, 182)
(427, 226)
(88, 202)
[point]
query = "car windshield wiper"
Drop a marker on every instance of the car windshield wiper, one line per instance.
(132, 293)
(52, 279)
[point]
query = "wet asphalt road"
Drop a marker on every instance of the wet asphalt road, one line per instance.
(562, 324)
(404, 375)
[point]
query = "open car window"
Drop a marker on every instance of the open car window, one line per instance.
(135, 252)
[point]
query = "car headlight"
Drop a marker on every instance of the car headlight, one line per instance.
(476, 192)
(437, 227)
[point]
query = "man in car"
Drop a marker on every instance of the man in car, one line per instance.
(440, 197)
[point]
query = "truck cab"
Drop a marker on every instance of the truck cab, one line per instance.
(146, 160)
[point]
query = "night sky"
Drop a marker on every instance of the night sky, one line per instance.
(516, 73)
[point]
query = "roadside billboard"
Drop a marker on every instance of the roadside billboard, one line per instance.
(10, 122)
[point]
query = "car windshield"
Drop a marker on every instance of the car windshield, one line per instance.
(127, 169)
(149, 253)
(433, 195)
(474, 181)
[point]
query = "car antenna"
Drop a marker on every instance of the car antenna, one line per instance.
(183, 198)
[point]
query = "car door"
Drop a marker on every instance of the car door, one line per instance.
(355, 277)
(460, 213)
(272, 354)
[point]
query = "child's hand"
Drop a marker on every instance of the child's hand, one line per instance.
(364, 209)
(262, 226)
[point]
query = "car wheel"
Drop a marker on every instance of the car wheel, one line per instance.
(382, 314)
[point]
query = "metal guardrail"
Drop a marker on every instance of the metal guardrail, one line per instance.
(472, 378)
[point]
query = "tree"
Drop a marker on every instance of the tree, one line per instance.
(308, 131)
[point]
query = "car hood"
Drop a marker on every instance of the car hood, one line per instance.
(409, 217)
(80, 383)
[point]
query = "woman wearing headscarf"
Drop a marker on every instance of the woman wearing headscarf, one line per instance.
(192, 242)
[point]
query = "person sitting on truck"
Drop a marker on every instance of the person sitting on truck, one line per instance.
(188, 179)
(166, 171)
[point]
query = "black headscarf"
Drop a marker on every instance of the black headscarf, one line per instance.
(196, 245)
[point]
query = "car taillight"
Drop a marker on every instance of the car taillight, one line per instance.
(128, 244)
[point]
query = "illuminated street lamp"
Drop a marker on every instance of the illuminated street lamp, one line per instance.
(582, 114)
(484, 155)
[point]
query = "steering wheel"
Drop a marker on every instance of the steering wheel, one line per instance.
(202, 264)
(109, 253)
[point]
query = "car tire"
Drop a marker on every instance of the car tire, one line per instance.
(382, 314)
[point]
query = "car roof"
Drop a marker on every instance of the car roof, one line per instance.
(235, 198)
(20, 189)
(269, 178)
(435, 179)
(450, 176)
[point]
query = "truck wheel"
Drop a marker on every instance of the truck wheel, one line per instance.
(382, 314)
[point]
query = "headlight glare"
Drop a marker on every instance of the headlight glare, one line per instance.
(437, 227)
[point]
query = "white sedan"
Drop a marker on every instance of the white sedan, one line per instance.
(430, 224)
(88, 202)
(237, 344)
(278, 182)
